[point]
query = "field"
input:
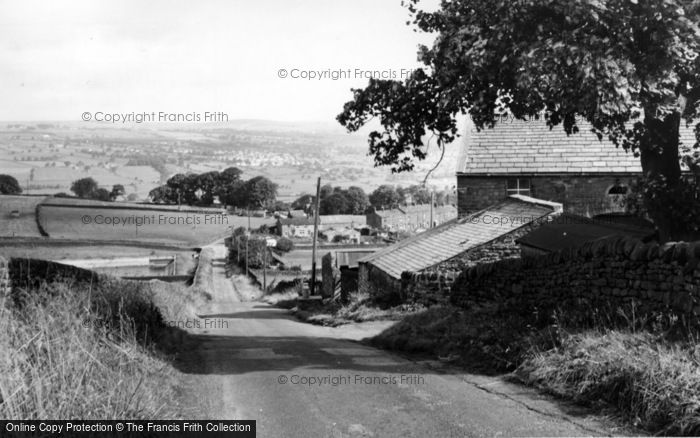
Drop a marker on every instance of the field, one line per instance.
(47, 157)
(23, 225)
(63, 253)
(183, 228)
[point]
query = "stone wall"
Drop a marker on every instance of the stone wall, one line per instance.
(602, 274)
(4, 277)
(384, 288)
(429, 287)
(583, 195)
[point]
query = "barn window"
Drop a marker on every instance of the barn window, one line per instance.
(617, 189)
(518, 186)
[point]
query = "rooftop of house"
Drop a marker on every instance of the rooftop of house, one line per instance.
(529, 147)
(296, 221)
(459, 235)
(569, 231)
(331, 219)
(409, 209)
(297, 213)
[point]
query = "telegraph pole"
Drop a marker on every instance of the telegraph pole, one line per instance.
(313, 250)
(432, 203)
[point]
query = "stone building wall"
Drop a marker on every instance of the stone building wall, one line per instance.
(582, 195)
(384, 288)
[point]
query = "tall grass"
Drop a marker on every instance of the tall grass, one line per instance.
(652, 382)
(646, 369)
(76, 350)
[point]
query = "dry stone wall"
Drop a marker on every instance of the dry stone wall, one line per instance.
(602, 274)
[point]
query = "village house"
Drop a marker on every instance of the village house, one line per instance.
(410, 218)
(587, 176)
(298, 227)
(296, 213)
(341, 221)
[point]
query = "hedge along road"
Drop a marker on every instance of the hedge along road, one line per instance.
(247, 360)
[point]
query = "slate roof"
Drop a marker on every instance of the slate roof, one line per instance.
(297, 213)
(296, 221)
(331, 219)
(569, 231)
(529, 147)
(459, 235)
(408, 209)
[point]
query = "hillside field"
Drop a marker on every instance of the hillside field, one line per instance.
(184, 228)
(25, 224)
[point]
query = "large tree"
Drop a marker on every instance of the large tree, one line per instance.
(9, 185)
(628, 67)
(384, 197)
(84, 187)
(259, 192)
(357, 200)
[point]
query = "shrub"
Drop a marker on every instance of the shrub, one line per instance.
(285, 244)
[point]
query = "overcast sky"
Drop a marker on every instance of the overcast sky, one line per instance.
(62, 58)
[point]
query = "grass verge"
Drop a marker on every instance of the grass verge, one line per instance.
(81, 350)
(645, 372)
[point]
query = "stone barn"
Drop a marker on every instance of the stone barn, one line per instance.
(486, 236)
(589, 177)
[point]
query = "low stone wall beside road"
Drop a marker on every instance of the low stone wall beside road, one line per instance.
(4, 277)
(605, 274)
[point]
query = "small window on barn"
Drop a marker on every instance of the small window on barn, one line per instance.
(518, 186)
(618, 189)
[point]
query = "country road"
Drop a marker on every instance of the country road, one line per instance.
(299, 380)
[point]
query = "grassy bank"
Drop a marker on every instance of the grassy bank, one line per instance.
(647, 373)
(76, 350)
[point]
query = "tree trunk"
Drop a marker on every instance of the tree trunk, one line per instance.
(660, 161)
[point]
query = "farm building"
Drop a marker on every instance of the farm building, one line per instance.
(340, 270)
(486, 236)
(587, 176)
(571, 231)
(300, 227)
(410, 218)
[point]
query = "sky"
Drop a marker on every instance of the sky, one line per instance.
(63, 58)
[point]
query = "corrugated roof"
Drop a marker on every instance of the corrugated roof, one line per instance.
(530, 147)
(454, 237)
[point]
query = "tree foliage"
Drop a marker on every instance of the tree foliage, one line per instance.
(9, 185)
(84, 187)
(385, 197)
(629, 68)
